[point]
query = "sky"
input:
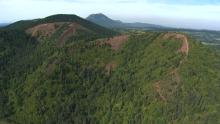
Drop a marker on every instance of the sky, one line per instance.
(194, 14)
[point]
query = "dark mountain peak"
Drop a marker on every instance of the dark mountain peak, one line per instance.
(63, 17)
(25, 24)
(104, 20)
(99, 16)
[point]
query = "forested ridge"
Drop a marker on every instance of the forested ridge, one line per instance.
(147, 79)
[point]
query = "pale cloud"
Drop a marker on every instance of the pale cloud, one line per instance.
(178, 15)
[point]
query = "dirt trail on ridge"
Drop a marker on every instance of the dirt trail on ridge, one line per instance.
(174, 73)
(183, 38)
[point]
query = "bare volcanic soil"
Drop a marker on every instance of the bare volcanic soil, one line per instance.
(115, 42)
(110, 67)
(48, 29)
(44, 30)
(174, 74)
(70, 31)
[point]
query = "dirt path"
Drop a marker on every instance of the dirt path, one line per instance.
(185, 44)
(174, 73)
(110, 67)
(159, 91)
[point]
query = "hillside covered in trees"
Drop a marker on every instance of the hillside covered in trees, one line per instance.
(65, 70)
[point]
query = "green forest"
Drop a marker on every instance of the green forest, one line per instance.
(146, 81)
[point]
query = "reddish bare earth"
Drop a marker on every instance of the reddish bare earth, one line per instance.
(110, 67)
(69, 32)
(50, 67)
(48, 29)
(115, 42)
(44, 30)
(159, 91)
(185, 45)
(167, 86)
(174, 74)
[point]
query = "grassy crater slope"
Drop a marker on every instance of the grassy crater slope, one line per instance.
(148, 79)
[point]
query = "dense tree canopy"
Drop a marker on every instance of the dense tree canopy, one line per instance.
(150, 82)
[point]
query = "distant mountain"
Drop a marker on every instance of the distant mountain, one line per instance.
(105, 21)
(202, 35)
(3, 24)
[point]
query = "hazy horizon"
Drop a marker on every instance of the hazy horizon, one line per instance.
(191, 14)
